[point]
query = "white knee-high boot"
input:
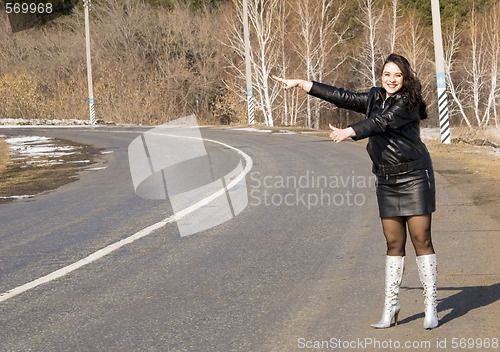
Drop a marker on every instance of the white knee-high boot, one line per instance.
(394, 267)
(427, 270)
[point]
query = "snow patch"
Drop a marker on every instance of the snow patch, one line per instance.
(17, 197)
(284, 132)
(34, 147)
(95, 168)
(251, 129)
(430, 133)
(43, 122)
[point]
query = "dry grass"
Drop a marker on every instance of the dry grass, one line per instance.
(150, 65)
(477, 151)
(472, 166)
(476, 159)
(486, 134)
(4, 155)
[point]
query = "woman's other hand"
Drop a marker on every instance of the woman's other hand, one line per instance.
(341, 134)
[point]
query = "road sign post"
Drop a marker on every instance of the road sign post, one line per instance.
(248, 66)
(444, 123)
(86, 4)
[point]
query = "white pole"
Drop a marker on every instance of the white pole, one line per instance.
(248, 67)
(86, 4)
(444, 122)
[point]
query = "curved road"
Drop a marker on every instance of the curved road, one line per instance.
(299, 269)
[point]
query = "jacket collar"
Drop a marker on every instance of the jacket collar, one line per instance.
(381, 94)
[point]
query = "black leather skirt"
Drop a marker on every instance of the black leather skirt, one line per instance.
(410, 193)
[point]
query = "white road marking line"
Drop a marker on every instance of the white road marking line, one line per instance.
(140, 234)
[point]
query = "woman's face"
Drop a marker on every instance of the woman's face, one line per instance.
(392, 78)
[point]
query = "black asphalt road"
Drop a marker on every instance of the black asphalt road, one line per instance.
(300, 269)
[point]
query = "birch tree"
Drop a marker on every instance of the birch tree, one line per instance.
(394, 24)
(283, 13)
(306, 47)
(413, 44)
(290, 106)
(483, 70)
(451, 45)
(263, 16)
(318, 38)
(476, 70)
(369, 53)
(263, 51)
(493, 38)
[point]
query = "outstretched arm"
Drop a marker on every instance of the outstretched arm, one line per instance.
(291, 83)
(338, 134)
(338, 96)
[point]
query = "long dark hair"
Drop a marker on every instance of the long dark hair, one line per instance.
(412, 88)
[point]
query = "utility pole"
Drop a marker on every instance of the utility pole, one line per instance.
(248, 66)
(444, 122)
(86, 5)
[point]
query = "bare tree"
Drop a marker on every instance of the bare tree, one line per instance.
(264, 51)
(319, 37)
(283, 13)
(414, 45)
(476, 71)
(306, 47)
(394, 24)
(493, 36)
(451, 46)
(475, 89)
(263, 16)
(369, 53)
(482, 72)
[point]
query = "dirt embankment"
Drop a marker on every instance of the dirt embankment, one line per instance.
(4, 155)
(472, 165)
(31, 166)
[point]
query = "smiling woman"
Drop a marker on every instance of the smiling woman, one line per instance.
(403, 167)
(392, 78)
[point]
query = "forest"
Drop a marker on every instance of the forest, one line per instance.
(154, 61)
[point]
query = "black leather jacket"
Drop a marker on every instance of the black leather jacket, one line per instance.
(394, 131)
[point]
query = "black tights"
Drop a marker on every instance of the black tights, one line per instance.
(419, 227)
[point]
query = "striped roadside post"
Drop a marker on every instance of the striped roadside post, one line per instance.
(248, 67)
(86, 4)
(92, 111)
(251, 119)
(444, 123)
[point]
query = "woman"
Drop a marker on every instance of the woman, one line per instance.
(405, 177)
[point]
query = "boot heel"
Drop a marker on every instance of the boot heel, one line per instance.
(396, 315)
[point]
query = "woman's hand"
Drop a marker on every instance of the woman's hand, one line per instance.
(341, 134)
(291, 83)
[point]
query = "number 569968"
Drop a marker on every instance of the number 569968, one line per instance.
(25, 7)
